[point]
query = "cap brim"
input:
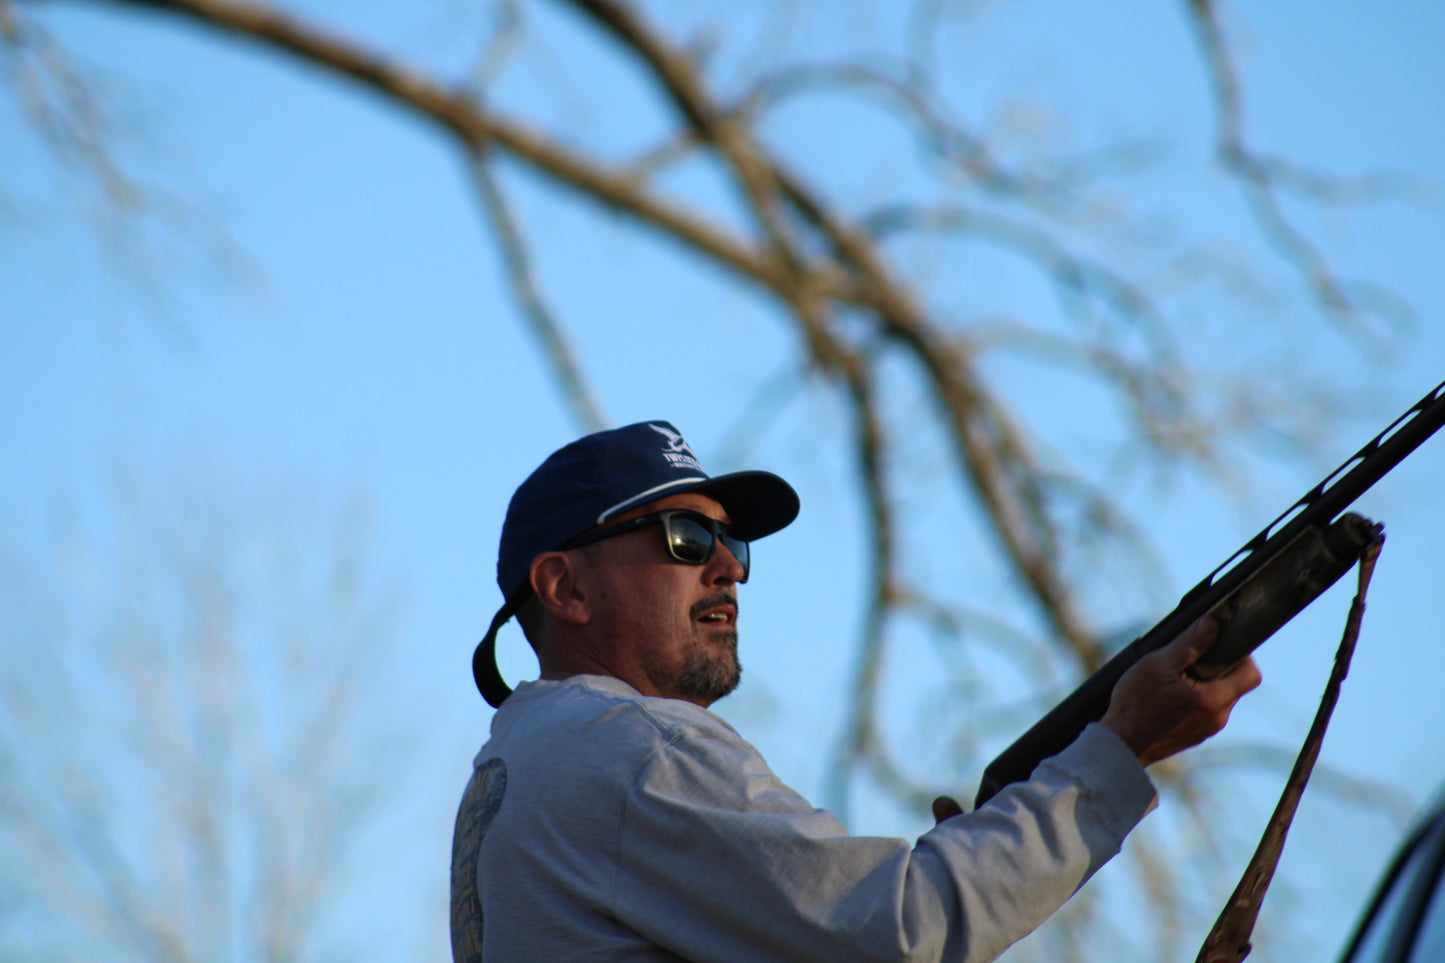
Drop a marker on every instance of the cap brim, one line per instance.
(758, 503)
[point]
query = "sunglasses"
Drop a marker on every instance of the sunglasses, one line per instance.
(690, 537)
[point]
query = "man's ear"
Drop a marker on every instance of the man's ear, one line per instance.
(558, 589)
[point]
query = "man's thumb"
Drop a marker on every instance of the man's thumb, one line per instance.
(1192, 643)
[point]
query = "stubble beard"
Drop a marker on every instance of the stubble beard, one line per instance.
(708, 676)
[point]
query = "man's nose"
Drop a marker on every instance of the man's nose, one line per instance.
(724, 567)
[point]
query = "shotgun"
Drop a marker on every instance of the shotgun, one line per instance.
(1256, 591)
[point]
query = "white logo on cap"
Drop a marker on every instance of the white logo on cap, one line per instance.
(678, 453)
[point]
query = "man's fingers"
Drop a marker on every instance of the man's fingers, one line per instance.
(1244, 677)
(1220, 696)
(1192, 643)
(945, 807)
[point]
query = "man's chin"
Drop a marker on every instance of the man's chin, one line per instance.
(710, 679)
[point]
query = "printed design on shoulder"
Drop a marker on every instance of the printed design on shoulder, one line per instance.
(480, 803)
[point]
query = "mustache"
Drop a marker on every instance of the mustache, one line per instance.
(712, 602)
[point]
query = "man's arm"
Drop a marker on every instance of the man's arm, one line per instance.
(718, 860)
(1157, 709)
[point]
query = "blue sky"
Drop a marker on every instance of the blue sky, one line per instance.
(329, 324)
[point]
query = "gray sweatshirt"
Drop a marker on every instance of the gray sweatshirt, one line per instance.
(600, 824)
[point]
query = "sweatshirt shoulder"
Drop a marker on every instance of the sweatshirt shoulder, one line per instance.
(600, 714)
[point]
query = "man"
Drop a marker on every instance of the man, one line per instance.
(611, 816)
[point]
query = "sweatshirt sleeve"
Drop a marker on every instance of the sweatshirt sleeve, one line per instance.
(717, 859)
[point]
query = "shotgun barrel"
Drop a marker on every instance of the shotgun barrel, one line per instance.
(1256, 591)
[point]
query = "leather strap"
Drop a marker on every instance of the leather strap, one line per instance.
(1228, 941)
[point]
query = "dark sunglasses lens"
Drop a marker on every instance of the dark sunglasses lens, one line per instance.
(689, 540)
(739, 548)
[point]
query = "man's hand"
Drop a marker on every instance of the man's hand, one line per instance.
(945, 807)
(1158, 710)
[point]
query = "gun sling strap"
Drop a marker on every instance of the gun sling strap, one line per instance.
(1228, 941)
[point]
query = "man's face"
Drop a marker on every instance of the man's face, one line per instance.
(670, 627)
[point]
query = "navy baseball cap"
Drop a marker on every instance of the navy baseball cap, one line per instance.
(597, 478)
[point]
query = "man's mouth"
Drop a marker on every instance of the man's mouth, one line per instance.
(716, 611)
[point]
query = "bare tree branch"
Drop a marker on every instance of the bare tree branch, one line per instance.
(196, 817)
(1260, 178)
(833, 270)
(586, 409)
